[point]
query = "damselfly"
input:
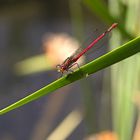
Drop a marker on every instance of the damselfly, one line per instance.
(71, 60)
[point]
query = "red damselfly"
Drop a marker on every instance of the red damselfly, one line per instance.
(71, 60)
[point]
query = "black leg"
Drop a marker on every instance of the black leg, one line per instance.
(75, 64)
(66, 60)
(61, 75)
(70, 70)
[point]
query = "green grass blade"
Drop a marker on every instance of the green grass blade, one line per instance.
(101, 10)
(124, 51)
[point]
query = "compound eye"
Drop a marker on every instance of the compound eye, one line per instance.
(58, 67)
(59, 70)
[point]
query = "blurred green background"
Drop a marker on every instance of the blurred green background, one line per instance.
(104, 106)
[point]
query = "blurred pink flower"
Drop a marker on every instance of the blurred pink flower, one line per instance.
(59, 46)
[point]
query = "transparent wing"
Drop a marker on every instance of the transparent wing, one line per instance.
(100, 46)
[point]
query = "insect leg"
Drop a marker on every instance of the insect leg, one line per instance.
(75, 64)
(72, 66)
(66, 60)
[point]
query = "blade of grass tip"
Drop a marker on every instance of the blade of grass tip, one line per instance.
(124, 51)
(28, 66)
